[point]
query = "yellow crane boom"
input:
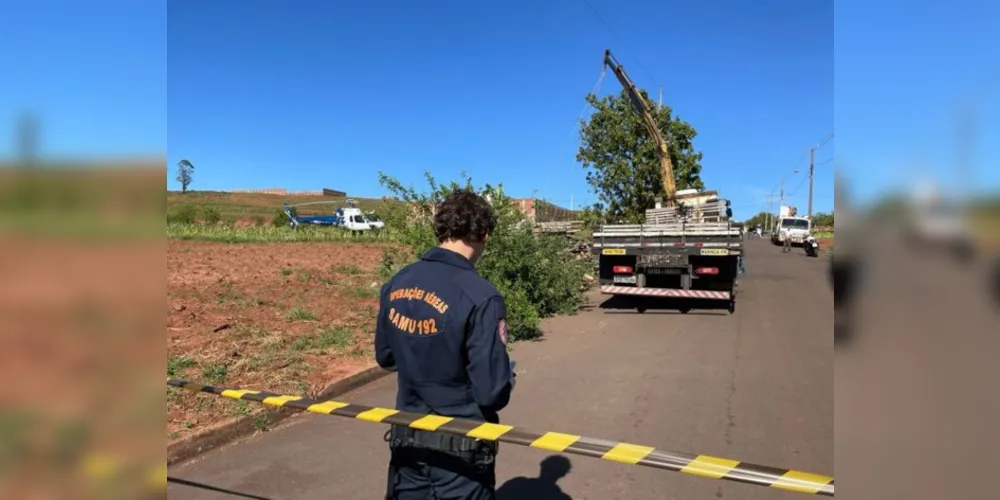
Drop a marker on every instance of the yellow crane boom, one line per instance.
(642, 108)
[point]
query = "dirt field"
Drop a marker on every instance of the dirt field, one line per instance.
(281, 317)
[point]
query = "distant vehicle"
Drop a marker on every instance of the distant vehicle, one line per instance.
(797, 229)
(936, 224)
(350, 218)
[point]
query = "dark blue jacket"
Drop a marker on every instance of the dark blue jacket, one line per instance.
(442, 328)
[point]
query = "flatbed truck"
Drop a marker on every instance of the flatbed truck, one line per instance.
(678, 260)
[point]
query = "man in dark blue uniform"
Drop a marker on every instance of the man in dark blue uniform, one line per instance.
(443, 329)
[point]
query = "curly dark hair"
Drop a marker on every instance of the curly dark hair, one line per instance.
(464, 216)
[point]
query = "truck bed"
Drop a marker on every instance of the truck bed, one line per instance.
(669, 236)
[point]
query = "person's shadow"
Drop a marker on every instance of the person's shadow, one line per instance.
(543, 487)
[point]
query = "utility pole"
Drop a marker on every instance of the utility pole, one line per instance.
(811, 168)
(770, 207)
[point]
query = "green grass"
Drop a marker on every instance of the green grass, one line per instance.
(328, 338)
(349, 270)
(299, 314)
(176, 365)
(267, 234)
(215, 373)
(365, 292)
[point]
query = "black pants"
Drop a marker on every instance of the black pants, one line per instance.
(434, 466)
(432, 475)
(842, 275)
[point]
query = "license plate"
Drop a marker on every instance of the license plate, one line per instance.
(624, 279)
(714, 251)
(613, 251)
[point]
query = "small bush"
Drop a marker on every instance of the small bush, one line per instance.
(186, 214)
(211, 215)
(280, 218)
(536, 275)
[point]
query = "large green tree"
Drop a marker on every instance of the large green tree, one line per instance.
(823, 220)
(620, 156)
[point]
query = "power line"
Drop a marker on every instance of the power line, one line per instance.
(802, 157)
(627, 51)
(796, 190)
(828, 139)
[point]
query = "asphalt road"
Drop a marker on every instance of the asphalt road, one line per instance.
(917, 402)
(755, 386)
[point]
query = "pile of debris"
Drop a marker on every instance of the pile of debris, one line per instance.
(559, 227)
(581, 249)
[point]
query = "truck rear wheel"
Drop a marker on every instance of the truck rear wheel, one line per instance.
(685, 309)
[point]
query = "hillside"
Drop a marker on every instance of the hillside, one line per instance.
(239, 206)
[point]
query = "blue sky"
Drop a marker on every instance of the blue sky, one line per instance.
(93, 72)
(312, 93)
(903, 72)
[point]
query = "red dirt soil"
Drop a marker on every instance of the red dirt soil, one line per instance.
(289, 318)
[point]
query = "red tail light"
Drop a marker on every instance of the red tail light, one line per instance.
(707, 270)
(622, 269)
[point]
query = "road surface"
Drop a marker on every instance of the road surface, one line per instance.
(755, 386)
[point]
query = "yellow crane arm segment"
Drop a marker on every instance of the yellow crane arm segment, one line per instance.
(642, 108)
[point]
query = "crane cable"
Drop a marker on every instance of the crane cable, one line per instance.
(595, 90)
(586, 105)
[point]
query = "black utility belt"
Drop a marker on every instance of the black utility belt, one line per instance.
(414, 441)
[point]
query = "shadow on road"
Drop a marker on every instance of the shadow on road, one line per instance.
(625, 304)
(543, 487)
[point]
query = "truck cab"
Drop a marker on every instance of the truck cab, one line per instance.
(794, 228)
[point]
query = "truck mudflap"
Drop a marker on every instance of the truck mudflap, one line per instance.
(666, 292)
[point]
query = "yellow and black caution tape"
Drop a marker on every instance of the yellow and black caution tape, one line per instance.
(699, 465)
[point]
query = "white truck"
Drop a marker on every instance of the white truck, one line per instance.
(791, 227)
